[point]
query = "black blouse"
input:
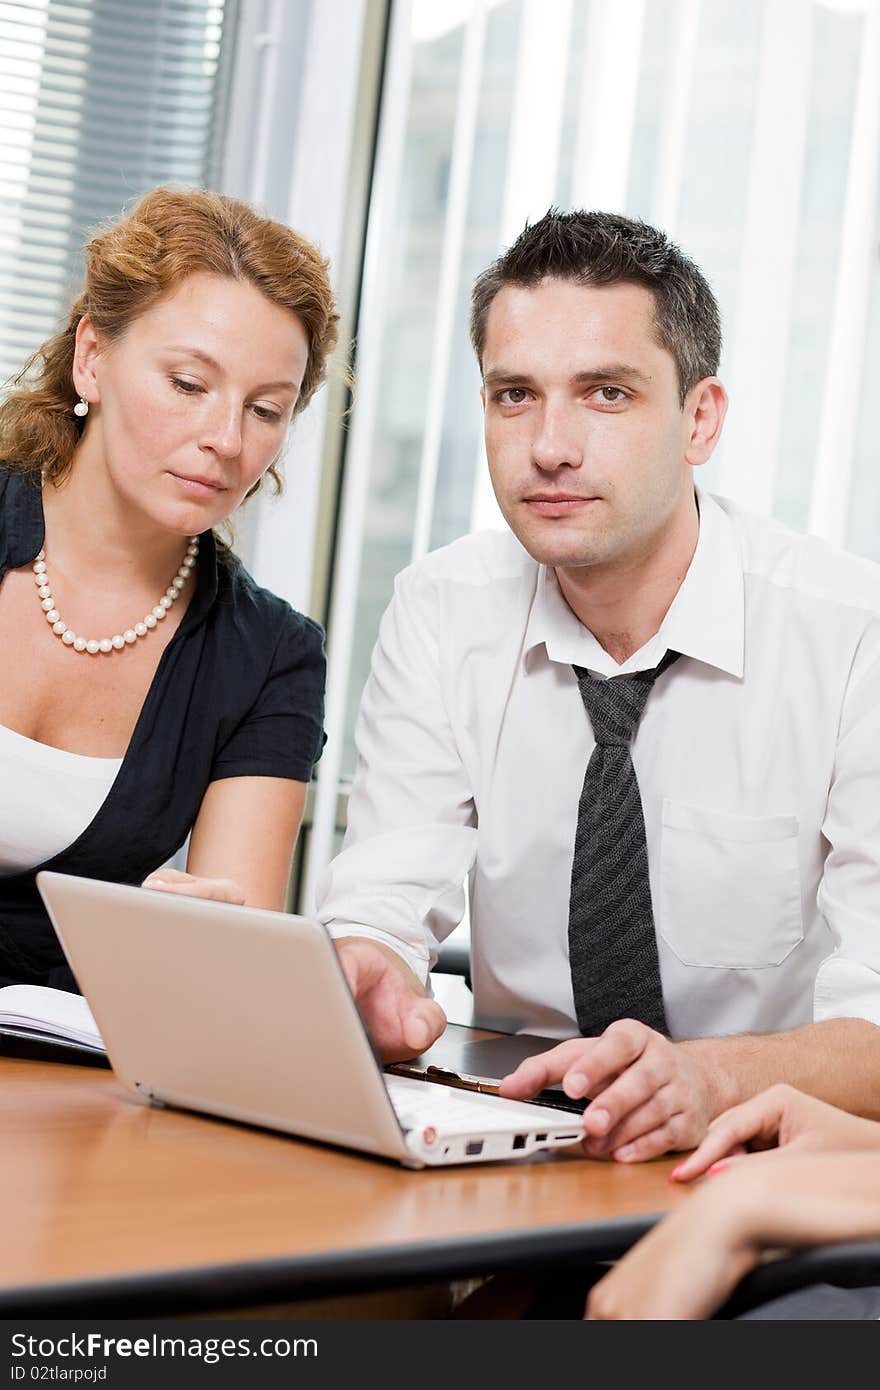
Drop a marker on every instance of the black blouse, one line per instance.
(238, 692)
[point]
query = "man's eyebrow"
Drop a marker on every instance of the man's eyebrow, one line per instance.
(210, 361)
(615, 371)
(510, 378)
(612, 372)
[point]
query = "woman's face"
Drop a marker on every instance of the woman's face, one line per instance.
(191, 405)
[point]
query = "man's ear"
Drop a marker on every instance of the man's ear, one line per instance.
(85, 360)
(705, 407)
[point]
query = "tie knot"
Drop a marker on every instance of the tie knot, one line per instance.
(615, 706)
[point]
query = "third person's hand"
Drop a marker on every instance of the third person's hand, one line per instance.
(779, 1118)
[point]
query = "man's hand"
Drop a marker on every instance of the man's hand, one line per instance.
(394, 1006)
(649, 1095)
(220, 890)
(779, 1118)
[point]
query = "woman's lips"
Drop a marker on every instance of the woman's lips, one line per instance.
(198, 487)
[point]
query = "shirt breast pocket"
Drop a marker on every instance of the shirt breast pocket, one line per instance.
(729, 887)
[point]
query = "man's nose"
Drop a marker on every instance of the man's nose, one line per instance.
(558, 442)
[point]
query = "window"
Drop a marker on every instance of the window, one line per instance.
(99, 100)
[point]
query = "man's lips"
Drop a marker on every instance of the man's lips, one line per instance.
(557, 503)
(201, 487)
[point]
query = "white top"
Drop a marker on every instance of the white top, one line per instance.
(49, 798)
(758, 759)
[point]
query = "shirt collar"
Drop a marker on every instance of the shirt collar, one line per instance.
(23, 531)
(706, 619)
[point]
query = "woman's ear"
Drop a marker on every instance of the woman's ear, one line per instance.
(85, 358)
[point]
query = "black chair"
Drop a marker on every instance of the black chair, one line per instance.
(853, 1265)
(454, 959)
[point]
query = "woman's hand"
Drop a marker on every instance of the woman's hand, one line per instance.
(779, 1118)
(219, 890)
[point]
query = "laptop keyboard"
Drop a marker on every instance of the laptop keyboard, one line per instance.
(418, 1103)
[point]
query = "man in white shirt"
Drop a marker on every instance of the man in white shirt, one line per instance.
(757, 756)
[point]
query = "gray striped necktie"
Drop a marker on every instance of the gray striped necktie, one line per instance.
(612, 944)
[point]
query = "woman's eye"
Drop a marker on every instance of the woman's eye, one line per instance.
(263, 412)
(187, 388)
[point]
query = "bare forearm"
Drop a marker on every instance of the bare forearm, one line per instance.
(837, 1061)
(803, 1200)
(688, 1264)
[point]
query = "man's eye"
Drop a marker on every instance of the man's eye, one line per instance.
(514, 395)
(611, 395)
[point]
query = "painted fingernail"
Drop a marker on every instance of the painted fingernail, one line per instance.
(717, 1168)
(155, 883)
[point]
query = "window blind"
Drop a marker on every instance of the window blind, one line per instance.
(99, 101)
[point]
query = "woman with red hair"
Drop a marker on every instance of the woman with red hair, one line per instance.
(156, 690)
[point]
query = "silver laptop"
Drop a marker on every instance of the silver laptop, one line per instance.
(246, 1014)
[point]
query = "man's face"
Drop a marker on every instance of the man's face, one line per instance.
(585, 433)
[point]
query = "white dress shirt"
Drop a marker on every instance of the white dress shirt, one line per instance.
(758, 760)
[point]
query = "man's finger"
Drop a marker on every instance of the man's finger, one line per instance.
(546, 1069)
(642, 1119)
(612, 1054)
(423, 1022)
(652, 1145)
(612, 1104)
(403, 1026)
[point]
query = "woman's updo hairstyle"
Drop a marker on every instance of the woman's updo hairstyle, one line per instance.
(168, 235)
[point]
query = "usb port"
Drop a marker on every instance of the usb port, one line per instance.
(519, 1141)
(474, 1146)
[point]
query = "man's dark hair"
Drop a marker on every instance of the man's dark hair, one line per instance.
(602, 248)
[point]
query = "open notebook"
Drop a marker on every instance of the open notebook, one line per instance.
(246, 1014)
(36, 1021)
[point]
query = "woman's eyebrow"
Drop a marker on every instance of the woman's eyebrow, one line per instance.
(210, 361)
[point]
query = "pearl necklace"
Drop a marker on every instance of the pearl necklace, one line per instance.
(93, 645)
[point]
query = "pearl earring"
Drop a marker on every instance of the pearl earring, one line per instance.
(81, 408)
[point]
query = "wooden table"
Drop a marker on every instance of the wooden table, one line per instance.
(110, 1206)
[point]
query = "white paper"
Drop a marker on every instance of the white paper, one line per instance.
(53, 1012)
